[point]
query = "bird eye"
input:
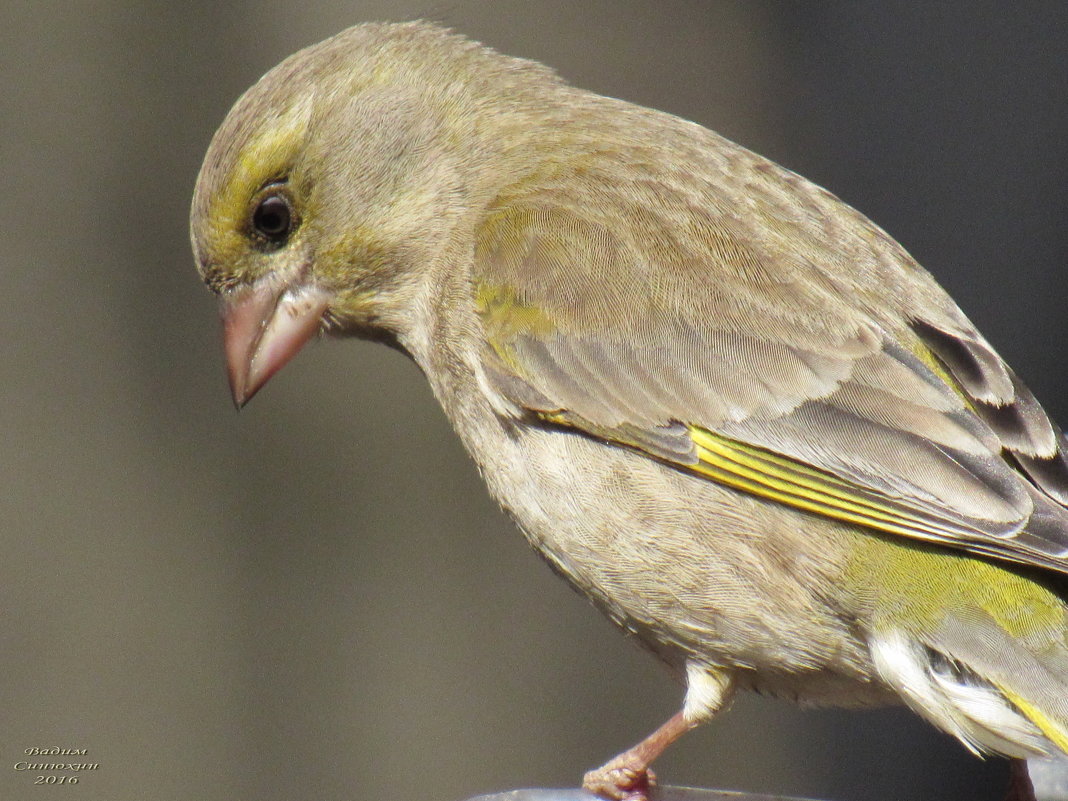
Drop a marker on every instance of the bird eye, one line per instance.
(273, 218)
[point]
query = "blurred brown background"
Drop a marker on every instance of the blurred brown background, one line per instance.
(316, 599)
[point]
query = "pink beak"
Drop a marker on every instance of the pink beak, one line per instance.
(264, 326)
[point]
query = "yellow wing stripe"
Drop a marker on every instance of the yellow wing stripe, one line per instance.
(772, 466)
(810, 504)
(786, 481)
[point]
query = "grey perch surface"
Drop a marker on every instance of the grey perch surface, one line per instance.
(1050, 777)
(660, 794)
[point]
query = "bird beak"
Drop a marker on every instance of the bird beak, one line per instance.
(264, 326)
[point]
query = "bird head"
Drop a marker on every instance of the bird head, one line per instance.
(334, 186)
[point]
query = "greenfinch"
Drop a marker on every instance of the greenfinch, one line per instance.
(724, 405)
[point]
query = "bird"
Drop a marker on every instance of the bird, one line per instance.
(725, 406)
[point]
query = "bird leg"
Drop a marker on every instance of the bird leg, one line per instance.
(1020, 786)
(627, 777)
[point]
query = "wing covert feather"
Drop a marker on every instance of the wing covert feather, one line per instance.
(659, 312)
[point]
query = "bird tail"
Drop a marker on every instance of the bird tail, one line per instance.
(1056, 731)
(993, 669)
(976, 646)
(988, 715)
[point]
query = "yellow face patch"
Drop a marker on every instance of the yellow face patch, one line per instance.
(267, 156)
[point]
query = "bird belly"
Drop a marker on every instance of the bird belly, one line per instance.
(693, 569)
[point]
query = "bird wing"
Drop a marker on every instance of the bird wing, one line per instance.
(758, 332)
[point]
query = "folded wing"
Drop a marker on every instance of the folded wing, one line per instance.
(763, 335)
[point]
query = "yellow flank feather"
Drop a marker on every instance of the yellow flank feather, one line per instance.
(914, 586)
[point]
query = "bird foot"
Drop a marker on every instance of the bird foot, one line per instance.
(625, 778)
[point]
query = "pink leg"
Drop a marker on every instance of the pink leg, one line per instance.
(627, 777)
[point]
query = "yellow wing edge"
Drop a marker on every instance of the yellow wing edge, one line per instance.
(772, 476)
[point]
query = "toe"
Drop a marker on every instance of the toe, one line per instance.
(619, 782)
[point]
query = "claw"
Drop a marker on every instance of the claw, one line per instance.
(625, 778)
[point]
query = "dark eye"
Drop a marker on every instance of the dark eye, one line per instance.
(273, 219)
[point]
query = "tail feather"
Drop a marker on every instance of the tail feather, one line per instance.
(1056, 732)
(956, 700)
(993, 721)
(1029, 669)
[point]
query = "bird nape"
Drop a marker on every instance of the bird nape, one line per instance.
(728, 408)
